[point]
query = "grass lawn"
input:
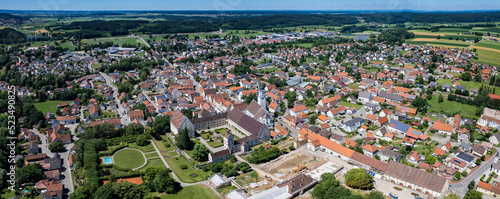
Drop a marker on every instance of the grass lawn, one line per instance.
(195, 191)
(129, 158)
(468, 84)
(267, 70)
(451, 107)
(205, 135)
(2, 71)
(226, 190)
(354, 86)
(161, 144)
(172, 153)
(153, 163)
(221, 131)
(188, 175)
(215, 144)
(108, 114)
(151, 155)
(48, 106)
(147, 148)
(357, 106)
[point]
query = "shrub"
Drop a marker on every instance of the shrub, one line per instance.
(166, 144)
(183, 166)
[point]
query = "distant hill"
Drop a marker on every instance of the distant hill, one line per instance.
(11, 36)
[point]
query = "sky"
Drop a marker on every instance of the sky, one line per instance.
(421, 5)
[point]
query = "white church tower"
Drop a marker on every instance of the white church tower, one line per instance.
(262, 98)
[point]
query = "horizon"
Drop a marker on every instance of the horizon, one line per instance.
(256, 5)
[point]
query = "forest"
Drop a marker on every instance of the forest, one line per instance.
(433, 17)
(11, 36)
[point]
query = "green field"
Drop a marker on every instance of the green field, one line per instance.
(488, 57)
(48, 106)
(489, 44)
(128, 158)
(441, 42)
(195, 191)
(153, 163)
(468, 84)
(68, 45)
(188, 175)
(451, 107)
(117, 41)
(487, 29)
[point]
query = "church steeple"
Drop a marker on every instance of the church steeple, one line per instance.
(262, 98)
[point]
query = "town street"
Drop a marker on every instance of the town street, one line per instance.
(66, 179)
(461, 187)
(124, 117)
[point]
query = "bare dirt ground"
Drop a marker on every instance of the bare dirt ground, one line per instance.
(284, 166)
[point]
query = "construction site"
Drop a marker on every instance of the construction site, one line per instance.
(290, 164)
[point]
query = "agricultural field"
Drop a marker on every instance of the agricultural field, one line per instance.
(488, 56)
(488, 44)
(439, 42)
(116, 40)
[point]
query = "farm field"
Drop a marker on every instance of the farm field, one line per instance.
(488, 44)
(48, 106)
(128, 158)
(438, 42)
(116, 40)
(488, 56)
(195, 191)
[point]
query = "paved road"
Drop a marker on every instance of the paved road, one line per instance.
(121, 111)
(67, 181)
(461, 187)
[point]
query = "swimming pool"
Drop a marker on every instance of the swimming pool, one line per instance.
(107, 160)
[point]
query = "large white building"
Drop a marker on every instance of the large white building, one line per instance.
(490, 118)
(179, 122)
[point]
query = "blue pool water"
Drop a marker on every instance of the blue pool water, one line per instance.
(107, 160)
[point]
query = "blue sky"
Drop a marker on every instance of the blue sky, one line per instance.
(451, 5)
